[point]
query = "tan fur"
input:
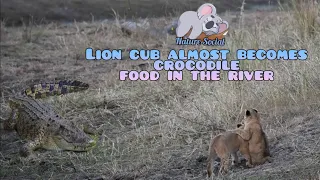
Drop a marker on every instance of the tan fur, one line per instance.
(266, 150)
(252, 132)
(224, 145)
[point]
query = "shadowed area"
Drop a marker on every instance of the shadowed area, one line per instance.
(16, 11)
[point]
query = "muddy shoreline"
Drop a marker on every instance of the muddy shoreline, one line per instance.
(17, 12)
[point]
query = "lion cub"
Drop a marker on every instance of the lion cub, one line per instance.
(266, 151)
(224, 145)
(252, 131)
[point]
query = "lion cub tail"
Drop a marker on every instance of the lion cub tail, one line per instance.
(212, 155)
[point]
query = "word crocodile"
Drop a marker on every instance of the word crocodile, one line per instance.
(37, 122)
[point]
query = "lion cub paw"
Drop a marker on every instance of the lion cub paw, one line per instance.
(249, 165)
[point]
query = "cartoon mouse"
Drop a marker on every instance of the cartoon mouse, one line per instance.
(204, 21)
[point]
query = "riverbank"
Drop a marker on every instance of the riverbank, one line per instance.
(17, 12)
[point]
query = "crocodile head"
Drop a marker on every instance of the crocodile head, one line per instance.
(43, 128)
(72, 138)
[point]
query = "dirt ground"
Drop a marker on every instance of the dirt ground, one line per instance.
(161, 130)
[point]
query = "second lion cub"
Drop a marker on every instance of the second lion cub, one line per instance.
(224, 145)
(253, 133)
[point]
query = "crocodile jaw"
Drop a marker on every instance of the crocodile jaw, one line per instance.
(58, 143)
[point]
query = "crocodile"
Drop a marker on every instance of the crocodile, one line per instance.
(60, 87)
(41, 127)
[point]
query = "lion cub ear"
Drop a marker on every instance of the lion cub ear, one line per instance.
(255, 110)
(239, 125)
(248, 113)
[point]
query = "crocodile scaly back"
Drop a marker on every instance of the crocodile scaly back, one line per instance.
(45, 89)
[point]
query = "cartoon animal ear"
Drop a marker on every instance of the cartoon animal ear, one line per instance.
(206, 9)
(248, 113)
(188, 20)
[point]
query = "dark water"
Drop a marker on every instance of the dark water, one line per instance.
(14, 12)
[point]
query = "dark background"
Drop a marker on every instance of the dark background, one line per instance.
(14, 12)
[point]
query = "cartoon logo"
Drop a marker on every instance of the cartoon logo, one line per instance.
(204, 26)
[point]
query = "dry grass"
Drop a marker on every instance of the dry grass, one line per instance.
(161, 130)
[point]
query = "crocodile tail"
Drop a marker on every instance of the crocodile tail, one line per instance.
(45, 89)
